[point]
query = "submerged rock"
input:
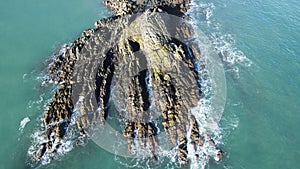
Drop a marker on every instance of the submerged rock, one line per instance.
(143, 58)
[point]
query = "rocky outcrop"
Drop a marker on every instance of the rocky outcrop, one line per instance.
(144, 57)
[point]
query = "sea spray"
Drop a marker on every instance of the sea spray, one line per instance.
(23, 123)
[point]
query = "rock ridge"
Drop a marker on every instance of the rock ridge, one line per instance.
(136, 57)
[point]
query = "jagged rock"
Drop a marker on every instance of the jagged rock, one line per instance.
(136, 48)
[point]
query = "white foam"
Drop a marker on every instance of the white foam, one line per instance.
(66, 145)
(23, 123)
(224, 43)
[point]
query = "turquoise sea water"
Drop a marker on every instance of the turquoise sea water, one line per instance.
(260, 123)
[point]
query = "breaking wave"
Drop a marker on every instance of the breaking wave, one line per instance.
(223, 42)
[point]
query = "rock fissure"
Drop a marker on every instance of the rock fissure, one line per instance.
(119, 57)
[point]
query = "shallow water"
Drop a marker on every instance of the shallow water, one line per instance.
(261, 116)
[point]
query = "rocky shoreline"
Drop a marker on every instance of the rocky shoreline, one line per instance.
(144, 55)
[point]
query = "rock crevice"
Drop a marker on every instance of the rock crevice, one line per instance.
(138, 54)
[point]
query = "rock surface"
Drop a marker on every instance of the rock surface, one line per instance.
(144, 58)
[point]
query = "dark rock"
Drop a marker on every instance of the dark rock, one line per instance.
(139, 42)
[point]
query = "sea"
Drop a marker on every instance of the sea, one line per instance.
(257, 41)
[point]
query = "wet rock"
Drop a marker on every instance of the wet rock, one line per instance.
(139, 42)
(220, 155)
